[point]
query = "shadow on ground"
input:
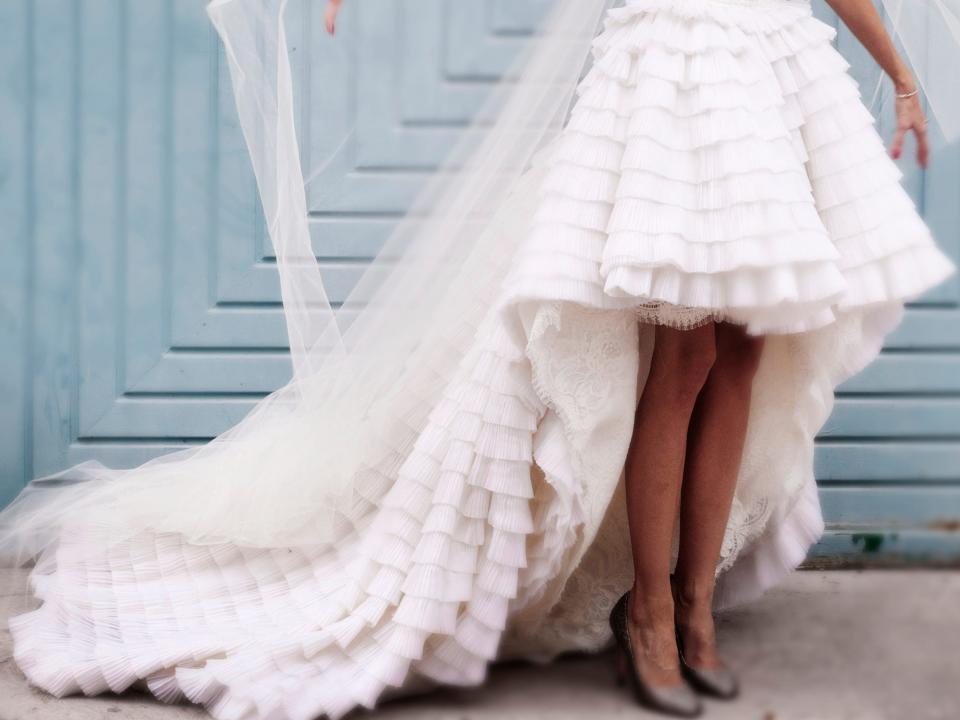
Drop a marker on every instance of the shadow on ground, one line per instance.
(877, 645)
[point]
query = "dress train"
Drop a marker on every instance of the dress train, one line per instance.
(719, 165)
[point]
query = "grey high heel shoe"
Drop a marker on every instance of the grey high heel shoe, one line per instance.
(679, 700)
(720, 683)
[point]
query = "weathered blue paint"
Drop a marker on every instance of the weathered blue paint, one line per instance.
(138, 299)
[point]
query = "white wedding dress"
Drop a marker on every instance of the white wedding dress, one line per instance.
(719, 164)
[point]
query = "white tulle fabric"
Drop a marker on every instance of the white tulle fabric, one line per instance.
(928, 32)
(718, 164)
(381, 359)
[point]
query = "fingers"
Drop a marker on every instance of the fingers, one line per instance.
(923, 146)
(330, 17)
(896, 149)
(923, 143)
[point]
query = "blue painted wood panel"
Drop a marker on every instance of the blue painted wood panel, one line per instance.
(139, 304)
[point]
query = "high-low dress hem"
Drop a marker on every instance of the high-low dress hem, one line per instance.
(718, 165)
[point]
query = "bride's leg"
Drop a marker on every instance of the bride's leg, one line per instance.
(715, 446)
(679, 367)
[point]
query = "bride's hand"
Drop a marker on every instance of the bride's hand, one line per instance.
(910, 117)
(330, 18)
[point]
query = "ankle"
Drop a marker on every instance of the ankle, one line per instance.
(693, 595)
(650, 606)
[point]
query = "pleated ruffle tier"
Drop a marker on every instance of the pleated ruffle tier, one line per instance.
(446, 534)
(466, 518)
(719, 164)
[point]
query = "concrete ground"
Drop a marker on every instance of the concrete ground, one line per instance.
(880, 645)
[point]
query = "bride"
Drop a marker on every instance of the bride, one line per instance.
(575, 395)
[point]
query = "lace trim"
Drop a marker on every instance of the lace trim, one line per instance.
(587, 367)
(680, 317)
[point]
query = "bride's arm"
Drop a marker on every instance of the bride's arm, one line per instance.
(330, 19)
(865, 23)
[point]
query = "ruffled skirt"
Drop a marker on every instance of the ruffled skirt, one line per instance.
(718, 165)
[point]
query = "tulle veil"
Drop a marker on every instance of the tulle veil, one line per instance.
(363, 369)
(277, 478)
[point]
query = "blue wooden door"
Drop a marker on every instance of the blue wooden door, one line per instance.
(140, 305)
(888, 460)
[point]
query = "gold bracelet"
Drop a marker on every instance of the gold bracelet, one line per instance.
(904, 96)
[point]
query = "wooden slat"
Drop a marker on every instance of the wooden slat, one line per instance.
(894, 417)
(894, 460)
(895, 372)
(880, 547)
(16, 243)
(879, 526)
(896, 507)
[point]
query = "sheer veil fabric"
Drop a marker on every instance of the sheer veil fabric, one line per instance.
(438, 484)
(351, 363)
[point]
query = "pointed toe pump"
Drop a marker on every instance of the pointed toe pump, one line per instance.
(720, 683)
(675, 700)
